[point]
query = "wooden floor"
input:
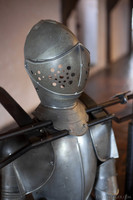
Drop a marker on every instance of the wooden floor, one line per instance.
(117, 77)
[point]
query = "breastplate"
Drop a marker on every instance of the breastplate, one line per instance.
(65, 169)
(75, 170)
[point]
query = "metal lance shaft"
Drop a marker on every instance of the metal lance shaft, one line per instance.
(129, 167)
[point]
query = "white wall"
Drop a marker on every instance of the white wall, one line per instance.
(101, 38)
(72, 22)
(88, 21)
(119, 36)
(16, 19)
(91, 17)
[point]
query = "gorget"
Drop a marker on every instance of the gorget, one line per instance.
(73, 119)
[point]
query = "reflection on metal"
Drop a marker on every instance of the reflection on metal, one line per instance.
(29, 168)
(104, 135)
(75, 159)
(106, 184)
(32, 142)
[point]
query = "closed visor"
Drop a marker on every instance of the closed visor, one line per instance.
(65, 74)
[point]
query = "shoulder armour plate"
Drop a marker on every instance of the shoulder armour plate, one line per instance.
(104, 141)
(34, 168)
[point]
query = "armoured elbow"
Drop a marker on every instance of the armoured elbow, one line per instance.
(106, 187)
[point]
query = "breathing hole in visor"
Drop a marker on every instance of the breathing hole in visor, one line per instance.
(54, 84)
(68, 67)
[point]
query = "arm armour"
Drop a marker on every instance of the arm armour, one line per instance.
(106, 187)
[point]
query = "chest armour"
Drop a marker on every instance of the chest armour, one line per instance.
(62, 169)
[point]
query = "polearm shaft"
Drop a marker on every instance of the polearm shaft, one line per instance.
(109, 103)
(129, 167)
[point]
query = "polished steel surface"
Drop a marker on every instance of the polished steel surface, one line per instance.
(56, 62)
(9, 185)
(8, 147)
(106, 185)
(66, 74)
(34, 168)
(45, 40)
(75, 157)
(55, 101)
(104, 141)
(75, 170)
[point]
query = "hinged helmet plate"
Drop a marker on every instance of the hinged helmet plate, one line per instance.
(59, 63)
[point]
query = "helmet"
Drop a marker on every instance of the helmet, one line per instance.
(57, 63)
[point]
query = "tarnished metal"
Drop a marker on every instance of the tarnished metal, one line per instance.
(100, 120)
(73, 119)
(106, 185)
